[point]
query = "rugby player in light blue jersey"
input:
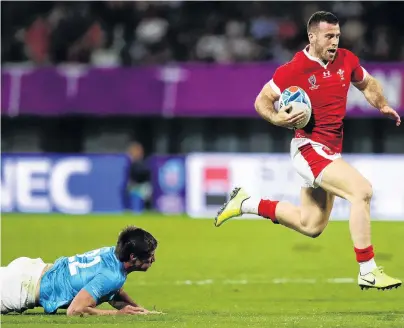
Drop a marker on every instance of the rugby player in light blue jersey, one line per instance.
(81, 282)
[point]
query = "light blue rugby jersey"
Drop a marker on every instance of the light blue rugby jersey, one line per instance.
(99, 272)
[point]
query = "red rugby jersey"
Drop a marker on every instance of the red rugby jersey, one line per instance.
(327, 86)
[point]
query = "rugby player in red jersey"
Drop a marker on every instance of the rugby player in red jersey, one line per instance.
(325, 73)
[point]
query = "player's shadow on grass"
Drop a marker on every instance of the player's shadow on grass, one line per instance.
(306, 247)
(384, 256)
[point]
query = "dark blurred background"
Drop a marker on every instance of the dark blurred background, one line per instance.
(157, 32)
(139, 33)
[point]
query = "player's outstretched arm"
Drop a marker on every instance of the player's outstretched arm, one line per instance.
(122, 299)
(373, 92)
(84, 304)
(265, 106)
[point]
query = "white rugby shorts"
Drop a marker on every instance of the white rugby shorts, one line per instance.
(18, 283)
(310, 158)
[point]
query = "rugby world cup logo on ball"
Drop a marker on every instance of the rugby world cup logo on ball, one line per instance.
(299, 100)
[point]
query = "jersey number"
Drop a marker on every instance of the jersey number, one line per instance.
(92, 259)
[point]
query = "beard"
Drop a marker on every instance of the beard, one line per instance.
(326, 54)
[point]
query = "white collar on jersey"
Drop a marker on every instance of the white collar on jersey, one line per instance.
(313, 58)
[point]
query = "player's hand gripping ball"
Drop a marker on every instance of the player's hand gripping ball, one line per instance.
(299, 101)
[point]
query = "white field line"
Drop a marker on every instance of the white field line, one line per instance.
(247, 282)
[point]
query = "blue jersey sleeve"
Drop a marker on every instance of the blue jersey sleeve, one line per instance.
(102, 286)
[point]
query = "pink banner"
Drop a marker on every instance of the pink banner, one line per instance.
(188, 90)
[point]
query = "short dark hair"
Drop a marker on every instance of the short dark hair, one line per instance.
(321, 16)
(133, 240)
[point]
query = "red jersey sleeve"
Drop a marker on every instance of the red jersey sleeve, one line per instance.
(281, 79)
(358, 73)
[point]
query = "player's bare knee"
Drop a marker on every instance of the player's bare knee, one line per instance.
(314, 232)
(314, 222)
(363, 193)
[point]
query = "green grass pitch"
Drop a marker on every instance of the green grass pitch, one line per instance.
(243, 274)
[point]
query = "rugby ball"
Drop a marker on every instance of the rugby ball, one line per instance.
(299, 100)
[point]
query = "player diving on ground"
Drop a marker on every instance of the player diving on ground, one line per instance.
(80, 283)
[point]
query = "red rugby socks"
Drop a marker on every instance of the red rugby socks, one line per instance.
(262, 207)
(267, 208)
(365, 258)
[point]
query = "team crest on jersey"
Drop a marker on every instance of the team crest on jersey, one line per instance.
(312, 81)
(341, 74)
